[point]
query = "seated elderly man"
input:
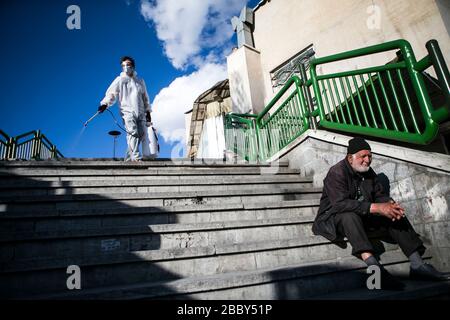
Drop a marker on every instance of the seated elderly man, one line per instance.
(353, 202)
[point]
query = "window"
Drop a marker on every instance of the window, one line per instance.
(281, 74)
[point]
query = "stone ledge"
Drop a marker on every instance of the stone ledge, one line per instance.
(431, 160)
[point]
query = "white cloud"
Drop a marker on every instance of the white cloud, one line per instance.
(194, 33)
(188, 27)
(172, 102)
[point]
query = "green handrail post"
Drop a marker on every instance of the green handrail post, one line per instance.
(431, 127)
(38, 139)
(258, 140)
(443, 75)
(315, 84)
(33, 147)
(440, 67)
(302, 103)
(313, 122)
(11, 154)
(53, 151)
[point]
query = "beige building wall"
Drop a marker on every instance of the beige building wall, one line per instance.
(284, 27)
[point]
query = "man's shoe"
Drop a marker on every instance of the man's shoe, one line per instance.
(389, 282)
(427, 272)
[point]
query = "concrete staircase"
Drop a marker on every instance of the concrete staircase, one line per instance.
(173, 230)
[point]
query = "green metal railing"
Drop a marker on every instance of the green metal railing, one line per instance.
(277, 126)
(30, 145)
(389, 101)
(258, 136)
(377, 101)
(240, 136)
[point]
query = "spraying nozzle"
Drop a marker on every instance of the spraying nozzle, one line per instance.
(96, 114)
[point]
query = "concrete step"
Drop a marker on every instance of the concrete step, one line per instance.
(165, 171)
(414, 290)
(270, 190)
(39, 263)
(93, 242)
(167, 210)
(280, 285)
(289, 281)
(25, 278)
(120, 200)
(35, 222)
(5, 179)
(144, 187)
(286, 251)
(114, 230)
(105, 162)
(213, 182)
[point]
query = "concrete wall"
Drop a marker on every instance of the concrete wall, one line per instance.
(423, 189)
(284, 27)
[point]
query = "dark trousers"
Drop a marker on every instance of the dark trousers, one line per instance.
(358, 228)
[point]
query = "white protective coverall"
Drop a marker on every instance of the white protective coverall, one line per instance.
(131, 93)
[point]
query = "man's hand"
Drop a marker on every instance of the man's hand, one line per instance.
(148, 117)
(102, 108)
(389, 210)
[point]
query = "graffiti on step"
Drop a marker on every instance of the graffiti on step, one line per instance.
(110, 245)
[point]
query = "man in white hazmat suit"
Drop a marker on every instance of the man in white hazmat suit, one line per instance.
(134, 105)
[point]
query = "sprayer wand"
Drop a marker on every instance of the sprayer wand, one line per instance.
(114, 118)
(96, 114)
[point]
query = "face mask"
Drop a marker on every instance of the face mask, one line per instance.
(128, 70)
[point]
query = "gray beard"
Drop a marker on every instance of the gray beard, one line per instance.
(360, 169)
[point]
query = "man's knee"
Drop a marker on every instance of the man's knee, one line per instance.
(131, 127)
(348, 221)
(142, 129)
(348, 217)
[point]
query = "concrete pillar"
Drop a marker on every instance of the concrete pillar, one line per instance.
(246, 80)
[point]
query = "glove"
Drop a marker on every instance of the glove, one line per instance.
(102, 108)
(148, 117)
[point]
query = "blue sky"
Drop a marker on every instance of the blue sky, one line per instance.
(53, 77)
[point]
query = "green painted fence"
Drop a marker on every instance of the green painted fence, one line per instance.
(27, 146)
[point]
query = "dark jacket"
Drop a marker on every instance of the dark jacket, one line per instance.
(340, 194)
